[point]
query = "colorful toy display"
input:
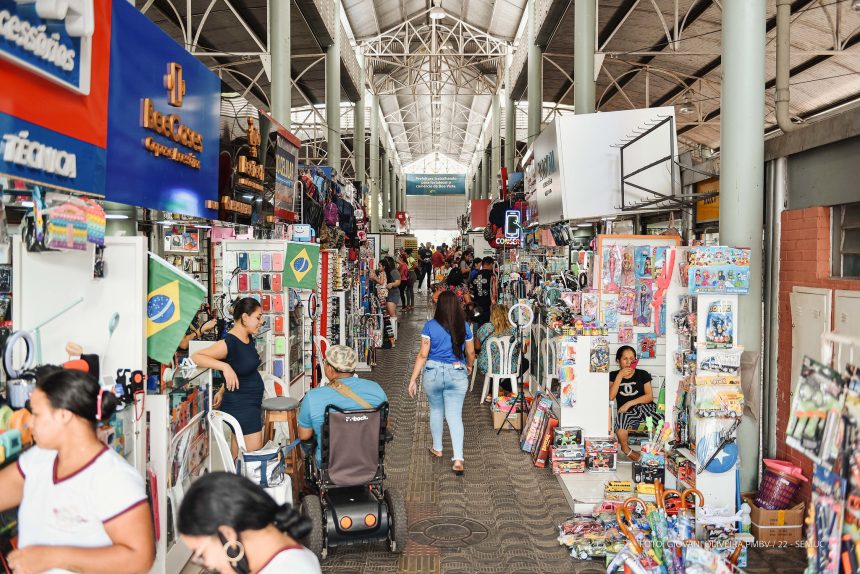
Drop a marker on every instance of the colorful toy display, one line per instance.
(719, 270)
(720, 325)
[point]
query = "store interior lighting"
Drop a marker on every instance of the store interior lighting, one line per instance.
(437, 13)
(116, 216)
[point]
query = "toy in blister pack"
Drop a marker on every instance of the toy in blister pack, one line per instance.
(642, 262)
(611, 268)
(719, 361)
(719, 401)
(644, 296)
(627, 301)
(716, 450)
(625, 333)
(719, 270)
(610, 314)
(659, 260)
(824, 530)
(816, 413)
(646, 345)
(720, 325)
(628, 273)
(589, 307)
(599, 361)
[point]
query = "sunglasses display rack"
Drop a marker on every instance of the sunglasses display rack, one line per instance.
(332, 321)
(362, 333)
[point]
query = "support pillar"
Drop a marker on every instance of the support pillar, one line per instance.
(279, 51)
(510, 119)
(496, 150)
(374, 164)
(742, 181)
(535, 76)
(396, 182)
(489, 176)
(386, 187)
(332, 94)
(583, 62)
(358, 124)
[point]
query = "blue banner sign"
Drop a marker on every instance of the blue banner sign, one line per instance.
(43, 156)
(50, 39)
(163, 118)
(435, 184)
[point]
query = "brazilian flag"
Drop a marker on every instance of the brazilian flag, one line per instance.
(171, 305)
(301, 265)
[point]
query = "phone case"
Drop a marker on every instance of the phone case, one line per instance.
(229, 261)
(255, 281)
(278, 303)
(266, 282)
(279, 324)
(266, 261)
(280, 345)
(254, 264)
(266, 302)
(277, 285)
(278, 260)
(243, 261)
(278, 368)
(243, 281)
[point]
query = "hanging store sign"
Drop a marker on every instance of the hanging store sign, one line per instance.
(54, 68)
(547, 194)
(435, 184)
(51, 39)
(708, 209)
(286, 172)
(163, 120)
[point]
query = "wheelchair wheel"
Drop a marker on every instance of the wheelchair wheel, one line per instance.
(398, 527)
(315, 540)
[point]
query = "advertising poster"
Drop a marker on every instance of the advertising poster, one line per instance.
(720, 270)
(285, 176)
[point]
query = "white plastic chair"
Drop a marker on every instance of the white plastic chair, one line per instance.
(220, 423)
(504, 349)
(549, 354)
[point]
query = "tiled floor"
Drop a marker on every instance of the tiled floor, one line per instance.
(502, 516)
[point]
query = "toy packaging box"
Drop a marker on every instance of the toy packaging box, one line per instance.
(567, 436)
(604, 444)
(601, 461)
(648, 471)
(567, 459)
(568, 466)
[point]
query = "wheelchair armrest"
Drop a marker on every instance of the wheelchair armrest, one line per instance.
(388, 436)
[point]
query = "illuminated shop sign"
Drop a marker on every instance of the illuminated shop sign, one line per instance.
(51, 38)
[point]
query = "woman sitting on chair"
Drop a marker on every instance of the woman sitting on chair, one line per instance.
(631, 389)
(498, 326)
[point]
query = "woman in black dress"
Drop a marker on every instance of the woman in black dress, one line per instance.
(631, 389)
(237, 358)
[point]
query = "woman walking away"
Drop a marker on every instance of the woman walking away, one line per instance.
(231, 525)
(446, 344)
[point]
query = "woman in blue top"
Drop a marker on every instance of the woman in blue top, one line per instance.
(447, 356)
(237, 358)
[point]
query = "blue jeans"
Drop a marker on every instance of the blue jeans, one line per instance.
(445, 385)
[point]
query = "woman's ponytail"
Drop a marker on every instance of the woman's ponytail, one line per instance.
(290, 522)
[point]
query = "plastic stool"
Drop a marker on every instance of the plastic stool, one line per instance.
(285, 410)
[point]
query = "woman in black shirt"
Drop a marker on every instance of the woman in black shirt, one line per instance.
(631, 390)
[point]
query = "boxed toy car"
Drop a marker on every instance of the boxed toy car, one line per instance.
(568, 466)
(601, 461)
(648, 471)
(606, 445)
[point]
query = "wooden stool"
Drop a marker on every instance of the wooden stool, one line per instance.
(285, 410)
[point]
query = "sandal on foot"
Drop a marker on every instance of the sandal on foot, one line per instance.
(435, 453)
(458, 468)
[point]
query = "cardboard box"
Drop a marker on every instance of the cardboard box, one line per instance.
(568, 436)
(648, 472)
(499, 420)
(606, 445)
(776, 526)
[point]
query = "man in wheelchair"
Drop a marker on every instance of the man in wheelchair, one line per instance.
(347, 421)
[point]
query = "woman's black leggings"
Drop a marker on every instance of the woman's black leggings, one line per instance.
(409, 296)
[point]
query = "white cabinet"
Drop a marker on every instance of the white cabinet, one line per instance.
(810, 318)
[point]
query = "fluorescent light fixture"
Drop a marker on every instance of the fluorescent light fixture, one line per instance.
(26, 204)
(585, 225)
(437, 13)
(169, 222)
(248, 196)
(201, 226)
(116, 216)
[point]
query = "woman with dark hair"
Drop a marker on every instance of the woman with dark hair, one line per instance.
(446, 344)
(456, 284)
(389, 278)
(81, 506)
(232, 526)
(631, 389)
(237, 358)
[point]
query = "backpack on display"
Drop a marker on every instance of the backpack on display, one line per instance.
(330, 215)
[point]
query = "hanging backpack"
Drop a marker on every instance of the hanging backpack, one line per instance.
(330, 215)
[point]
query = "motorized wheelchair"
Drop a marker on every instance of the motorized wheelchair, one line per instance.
(349, 503)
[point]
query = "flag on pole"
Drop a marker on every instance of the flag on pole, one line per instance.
(171, 305)
(301, 265)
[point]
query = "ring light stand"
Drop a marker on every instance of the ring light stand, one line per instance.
(521, 316)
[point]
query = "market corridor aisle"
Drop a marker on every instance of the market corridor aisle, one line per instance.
(502, 516)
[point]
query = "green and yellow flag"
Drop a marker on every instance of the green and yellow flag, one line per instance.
(171, 305)
(301, 265)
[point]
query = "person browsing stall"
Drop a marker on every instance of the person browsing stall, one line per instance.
(232, 526)
(344, 390)
(631, 390)
(237, 358)
(82, 507)
(446, 356)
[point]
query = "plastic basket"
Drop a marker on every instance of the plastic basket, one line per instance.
(777, 489)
